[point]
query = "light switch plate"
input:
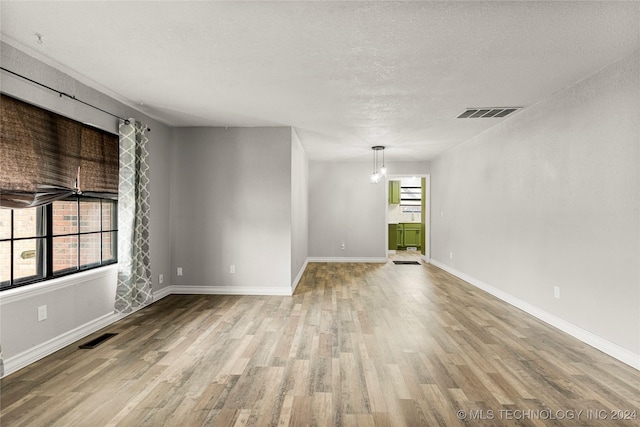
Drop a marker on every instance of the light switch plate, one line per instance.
(42, 313)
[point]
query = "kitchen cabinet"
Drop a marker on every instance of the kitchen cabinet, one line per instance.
(406, 234)
(394, 192)
(411, 235)
(393, 237)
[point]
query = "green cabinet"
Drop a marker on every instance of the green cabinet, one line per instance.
(394, 192)
(406, 234)
(411, 235)
(393, 237)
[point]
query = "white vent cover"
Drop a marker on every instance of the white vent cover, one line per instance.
(487, 113)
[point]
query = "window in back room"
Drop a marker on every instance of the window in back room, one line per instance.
(411, 199)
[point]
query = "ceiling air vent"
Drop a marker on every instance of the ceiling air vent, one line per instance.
(486, 113)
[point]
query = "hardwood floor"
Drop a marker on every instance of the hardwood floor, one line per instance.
(358, 344)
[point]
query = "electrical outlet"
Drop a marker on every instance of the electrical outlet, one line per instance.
(450, 255)
(232, 269)
(342, 246)
(42, 313)
(179, 271)
(161, 278)
(556, 292)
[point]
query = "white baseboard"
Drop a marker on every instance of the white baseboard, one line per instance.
(164, 292)
(346, 259)
(37, 352)
(230, 290)
(294, 285)
(613, 350)
(40, 351)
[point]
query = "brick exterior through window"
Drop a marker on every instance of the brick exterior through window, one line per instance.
(83, 235)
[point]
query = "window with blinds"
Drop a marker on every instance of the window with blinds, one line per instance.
(58, 195)
(410, 199)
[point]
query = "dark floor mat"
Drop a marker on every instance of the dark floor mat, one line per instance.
(406, 262)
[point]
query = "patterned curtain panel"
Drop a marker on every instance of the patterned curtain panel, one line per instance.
(134, 267)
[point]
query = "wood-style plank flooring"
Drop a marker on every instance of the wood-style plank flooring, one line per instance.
(357, 345)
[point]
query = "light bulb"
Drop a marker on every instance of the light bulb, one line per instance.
(383, 170)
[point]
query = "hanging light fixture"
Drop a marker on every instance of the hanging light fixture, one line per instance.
(378, 172)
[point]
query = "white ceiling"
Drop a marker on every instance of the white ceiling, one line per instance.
(346, 75)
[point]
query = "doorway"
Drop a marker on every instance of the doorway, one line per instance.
(407, 217)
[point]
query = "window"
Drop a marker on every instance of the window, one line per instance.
(411, 199)
(57, 239)
(58, 192)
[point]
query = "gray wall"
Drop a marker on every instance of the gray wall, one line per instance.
(231, 205)
(77, 301)
(344, 207)
(550, 197)
(299, 207)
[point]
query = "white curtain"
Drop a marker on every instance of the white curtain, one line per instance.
(134, 267)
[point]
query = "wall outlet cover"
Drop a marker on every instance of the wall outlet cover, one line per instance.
(42, 313)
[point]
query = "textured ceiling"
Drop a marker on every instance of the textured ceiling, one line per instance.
(346, 75)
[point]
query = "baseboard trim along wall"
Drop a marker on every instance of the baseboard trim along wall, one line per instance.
(164, 292)
(294, 285)
(346, 259)
(40, 351)
(37, 352)
(230, 290)
(613, 350)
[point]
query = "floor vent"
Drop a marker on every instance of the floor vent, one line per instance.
(487, 113)
(97, 341)
(406, 262)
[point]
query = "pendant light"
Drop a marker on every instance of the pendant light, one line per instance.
(378, 172)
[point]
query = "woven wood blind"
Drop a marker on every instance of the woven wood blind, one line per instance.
(45, 157)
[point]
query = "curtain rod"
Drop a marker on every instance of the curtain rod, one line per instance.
(61, 94)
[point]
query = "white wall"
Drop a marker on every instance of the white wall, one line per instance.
(299, 208)
(550, 197)
(231, 205)
(81, 303)
(344, 207)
